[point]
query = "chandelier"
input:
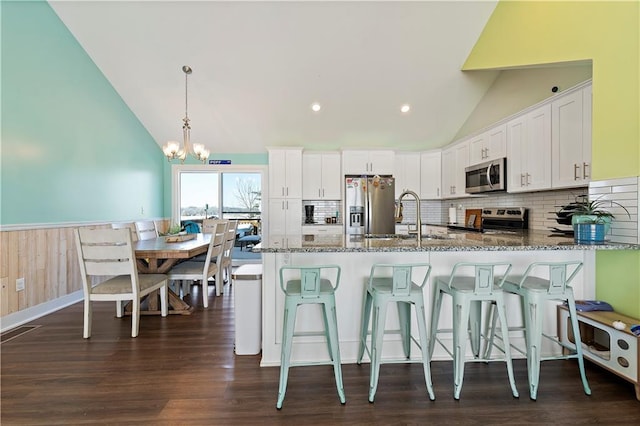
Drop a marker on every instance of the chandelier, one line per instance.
(172, 149)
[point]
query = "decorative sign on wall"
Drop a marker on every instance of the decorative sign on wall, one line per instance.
(216, 162)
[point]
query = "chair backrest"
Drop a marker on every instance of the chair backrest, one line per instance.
(106, 252)
(401, 276)
(558, 280)
(216, 246)
(128, 225)
(310, 278)
(146, 230)
(485, 275)
(208, 225)
(230, 238)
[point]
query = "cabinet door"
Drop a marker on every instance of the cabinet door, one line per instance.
(477, 149)
(516, 154)
(277, 217)
(430, 175)
(331, 177)
(277, 173)
(293, 173)
(566, 141)
(355, 162)
(448, 166)
(407, 172)
(495, 143)
(587, 105)
(538, 149)
(529, 151)
(461, 161)
(381, 162)
(293, 213)
(285, 173)
(312, 176)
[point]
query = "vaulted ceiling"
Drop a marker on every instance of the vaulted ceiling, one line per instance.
(258, 67)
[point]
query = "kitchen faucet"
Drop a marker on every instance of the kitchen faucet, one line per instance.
(418, 220)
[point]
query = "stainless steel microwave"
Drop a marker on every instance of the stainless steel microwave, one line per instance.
(486, 177)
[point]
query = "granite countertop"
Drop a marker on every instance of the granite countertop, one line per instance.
(453, 241)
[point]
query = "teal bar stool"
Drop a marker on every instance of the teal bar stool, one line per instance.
(468, 293)
(308, 287)
(399, 288)
(535, 292)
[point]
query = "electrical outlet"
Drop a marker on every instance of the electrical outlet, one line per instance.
(142, 210)
(20, 284)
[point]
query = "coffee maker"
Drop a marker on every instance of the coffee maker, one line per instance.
(308, 212)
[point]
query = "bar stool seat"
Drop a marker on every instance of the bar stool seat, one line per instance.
(308, 287)
(535, 292)
(398, 288)
(468, 293)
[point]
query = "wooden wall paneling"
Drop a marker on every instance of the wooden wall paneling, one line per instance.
(4, 273)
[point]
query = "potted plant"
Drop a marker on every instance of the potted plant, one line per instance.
(591, 221)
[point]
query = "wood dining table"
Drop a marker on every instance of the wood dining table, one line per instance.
(158, 256)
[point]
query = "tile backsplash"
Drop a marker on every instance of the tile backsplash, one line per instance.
(542, 206)
(323, 209)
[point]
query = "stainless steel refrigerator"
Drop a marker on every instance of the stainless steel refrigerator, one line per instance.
(370, 204)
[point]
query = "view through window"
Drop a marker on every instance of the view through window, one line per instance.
(231, 195)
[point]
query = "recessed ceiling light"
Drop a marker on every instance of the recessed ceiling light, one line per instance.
(405, 108)
(315, 107)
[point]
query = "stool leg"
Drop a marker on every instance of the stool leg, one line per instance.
(460, 330)
(327, 335)
(364, 328)
(285, 354)
(507, 346)
(377, 336)
(404, 314)
(576, 333)
(533, 327)
(424, 342)
(490, 330)
(332, 326)
(475, 320)
(435, 316)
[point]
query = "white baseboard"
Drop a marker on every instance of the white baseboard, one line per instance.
(29, 314)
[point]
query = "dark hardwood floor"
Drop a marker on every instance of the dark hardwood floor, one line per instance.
(181, 370)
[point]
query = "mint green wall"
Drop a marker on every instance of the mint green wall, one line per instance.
(71, 148)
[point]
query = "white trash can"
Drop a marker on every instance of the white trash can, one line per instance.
(247, 298)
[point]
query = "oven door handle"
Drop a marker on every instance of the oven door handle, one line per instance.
(489, 175)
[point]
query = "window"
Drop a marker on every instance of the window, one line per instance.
(232, 192)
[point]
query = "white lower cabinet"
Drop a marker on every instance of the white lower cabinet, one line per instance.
(285, 216)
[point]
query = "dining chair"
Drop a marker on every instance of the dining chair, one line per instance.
(127, 225)
(109, 252)
(146, 230)
(208, 225)
(194, 270)
(229, 243)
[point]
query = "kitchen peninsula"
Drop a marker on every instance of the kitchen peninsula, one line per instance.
(355, 255)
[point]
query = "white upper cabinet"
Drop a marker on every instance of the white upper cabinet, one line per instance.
(529, 151)
(430, 175)
(321, 178)
(489, 145)
(407, 172)
(454, 161)
(571, 139)
(379, 162)
(285, 173)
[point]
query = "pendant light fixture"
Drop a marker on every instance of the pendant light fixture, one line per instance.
(172, 149)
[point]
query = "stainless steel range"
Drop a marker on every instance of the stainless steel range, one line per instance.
(503, 219)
